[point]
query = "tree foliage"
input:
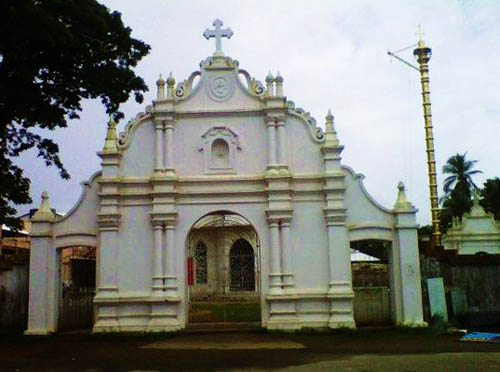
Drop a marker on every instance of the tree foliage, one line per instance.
(460, 174)
(491, 197)
(457, 188)
(53, 54)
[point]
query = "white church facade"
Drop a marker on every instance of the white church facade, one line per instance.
(222, 171)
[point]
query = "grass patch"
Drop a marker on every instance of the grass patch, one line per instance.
(201, 312)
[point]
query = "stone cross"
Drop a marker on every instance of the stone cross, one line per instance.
(218, 33)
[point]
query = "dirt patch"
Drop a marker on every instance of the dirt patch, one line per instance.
(214, 345)
(457, 362)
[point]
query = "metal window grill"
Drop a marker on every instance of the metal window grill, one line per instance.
(242, 266)
(200, 256)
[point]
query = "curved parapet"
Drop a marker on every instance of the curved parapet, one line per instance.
(254, 87)
(125, 136)
(366, 218)
(185, 88)
(316, 132)
(79, 225)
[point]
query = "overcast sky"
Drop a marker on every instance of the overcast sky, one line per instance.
(332, 54)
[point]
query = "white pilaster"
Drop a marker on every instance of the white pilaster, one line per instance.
(282, 144)
(158, 146)
(171, 275)
(169, 130)
(157, 282)
(271, 145)
(288, 277)
(275, 274)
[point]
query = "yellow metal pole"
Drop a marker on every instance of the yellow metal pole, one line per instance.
(423, 55)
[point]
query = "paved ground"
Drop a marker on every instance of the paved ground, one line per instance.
(362, 351)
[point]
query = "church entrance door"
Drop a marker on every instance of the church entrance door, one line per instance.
(223, 270)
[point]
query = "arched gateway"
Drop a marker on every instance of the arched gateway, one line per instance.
(223, 270)
(228, 143)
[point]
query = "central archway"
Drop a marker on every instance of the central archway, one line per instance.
(223, 270)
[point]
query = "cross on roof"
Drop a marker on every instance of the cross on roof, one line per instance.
(218, 33)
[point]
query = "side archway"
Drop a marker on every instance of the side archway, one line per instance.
(372, 272)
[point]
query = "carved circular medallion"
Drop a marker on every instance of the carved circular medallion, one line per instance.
(220, 88)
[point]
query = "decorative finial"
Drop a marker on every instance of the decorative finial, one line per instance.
(279, 78)
(477, 209)
(111, 122)
(110, 142)
(218, 33)
(329, 116)
(279, 85)
(269, 77)
(331, 139)
(44, 213)
(160, 83)
(170, 86)
(402, 204)
(269, 85)
(170, 79)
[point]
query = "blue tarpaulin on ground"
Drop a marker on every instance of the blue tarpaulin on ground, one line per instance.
(482, 337)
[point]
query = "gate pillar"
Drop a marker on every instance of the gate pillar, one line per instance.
(43, 279)
(405, 271)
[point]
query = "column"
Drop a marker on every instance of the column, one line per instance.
(288, 281)
(171, 278)
(38, 308)
(275, 285)
(340, 261)
(43, 279)
(170, 147)
(408, 270)
(157, 282)
(395, 282)
(271, 143)
(340, 291)
(107, 288)
(158, 146)
(406, 263)
(282, 143)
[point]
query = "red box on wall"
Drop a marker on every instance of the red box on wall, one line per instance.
(190, 271)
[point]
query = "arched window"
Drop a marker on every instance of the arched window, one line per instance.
(242, 266)
(220, 154)
(200, 256)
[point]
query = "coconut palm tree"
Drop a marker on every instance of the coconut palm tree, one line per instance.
(457, 188)
(460, 174)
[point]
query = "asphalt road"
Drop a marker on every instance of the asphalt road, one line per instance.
(361, 351)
